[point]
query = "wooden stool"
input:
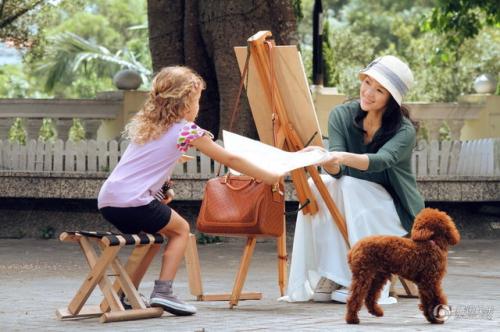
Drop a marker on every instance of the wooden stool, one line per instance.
(127, 279)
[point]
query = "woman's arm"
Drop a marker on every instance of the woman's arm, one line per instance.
(399, 147)
(353, 160)
(216, 152)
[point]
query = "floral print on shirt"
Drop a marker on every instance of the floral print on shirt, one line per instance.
(189, 133)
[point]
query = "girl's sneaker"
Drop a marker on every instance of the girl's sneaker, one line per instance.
(172, 304)
(164, 297)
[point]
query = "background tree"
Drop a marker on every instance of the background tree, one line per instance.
(15, 19)
(202, 33)
(461, 20)
(360, 30)
(90, 31)
(23, 22)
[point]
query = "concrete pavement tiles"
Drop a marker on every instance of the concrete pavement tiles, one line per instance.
(39, 276)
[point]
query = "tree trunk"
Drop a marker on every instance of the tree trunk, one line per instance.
(208, 30)
(166, 32)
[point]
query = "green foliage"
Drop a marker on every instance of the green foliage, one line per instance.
(47, 131)
(87, 63)
(47, 232)
(202, 238)
(361, 30)
(70, 55)
(461, 20)
(17, 18)
(298, 10)
(17, 133)
(77, 132)
(331, 78)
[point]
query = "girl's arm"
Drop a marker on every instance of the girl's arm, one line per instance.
(216, 152)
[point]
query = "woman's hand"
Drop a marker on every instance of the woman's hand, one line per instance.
(334, 158)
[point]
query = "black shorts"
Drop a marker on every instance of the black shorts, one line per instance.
(132, 220)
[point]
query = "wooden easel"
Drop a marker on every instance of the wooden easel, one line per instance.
(275, 127)
(127, 278)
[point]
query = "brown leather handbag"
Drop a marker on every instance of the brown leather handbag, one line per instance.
(241, 205)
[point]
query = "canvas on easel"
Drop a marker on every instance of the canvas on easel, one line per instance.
(277, 87)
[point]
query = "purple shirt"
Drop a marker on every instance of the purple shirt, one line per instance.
(143, 169)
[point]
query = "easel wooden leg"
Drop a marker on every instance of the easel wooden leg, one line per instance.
(282, 261)
(193, 268)
(195, 281)
(242, 273)
(409, 290)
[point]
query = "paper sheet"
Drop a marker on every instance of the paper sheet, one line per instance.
(268, 156)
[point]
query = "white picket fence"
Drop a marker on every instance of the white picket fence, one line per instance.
(446, 158)
(457, 158)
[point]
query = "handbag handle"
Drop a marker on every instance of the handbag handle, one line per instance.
(228, 183)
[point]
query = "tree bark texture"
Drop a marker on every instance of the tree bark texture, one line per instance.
(201, 34)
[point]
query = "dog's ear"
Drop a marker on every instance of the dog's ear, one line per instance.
(422, 234)
(453, 236)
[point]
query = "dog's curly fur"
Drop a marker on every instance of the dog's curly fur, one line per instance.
(421, 259)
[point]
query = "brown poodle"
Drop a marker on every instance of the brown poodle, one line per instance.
(421, 259)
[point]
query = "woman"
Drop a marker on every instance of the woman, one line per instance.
(371, 182)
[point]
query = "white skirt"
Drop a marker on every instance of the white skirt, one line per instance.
(319, 249)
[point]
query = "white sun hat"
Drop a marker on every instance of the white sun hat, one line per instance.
(392, 73)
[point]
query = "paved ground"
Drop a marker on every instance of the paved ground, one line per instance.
(38, 276)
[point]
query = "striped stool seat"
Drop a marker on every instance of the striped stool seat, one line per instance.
(116, 239)
(126, 277)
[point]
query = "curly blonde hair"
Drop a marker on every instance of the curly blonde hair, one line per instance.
(171, 95)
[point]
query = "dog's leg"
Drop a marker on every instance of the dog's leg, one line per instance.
(359, 288)
(374, 294)
(431, 296)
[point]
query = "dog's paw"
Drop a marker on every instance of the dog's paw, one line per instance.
(352, 319)
(376, 310)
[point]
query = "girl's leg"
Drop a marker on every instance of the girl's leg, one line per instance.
(177, 231)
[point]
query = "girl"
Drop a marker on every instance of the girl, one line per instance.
(371, 181)
(160, 133)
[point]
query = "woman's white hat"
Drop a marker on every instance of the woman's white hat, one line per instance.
(392, 73)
